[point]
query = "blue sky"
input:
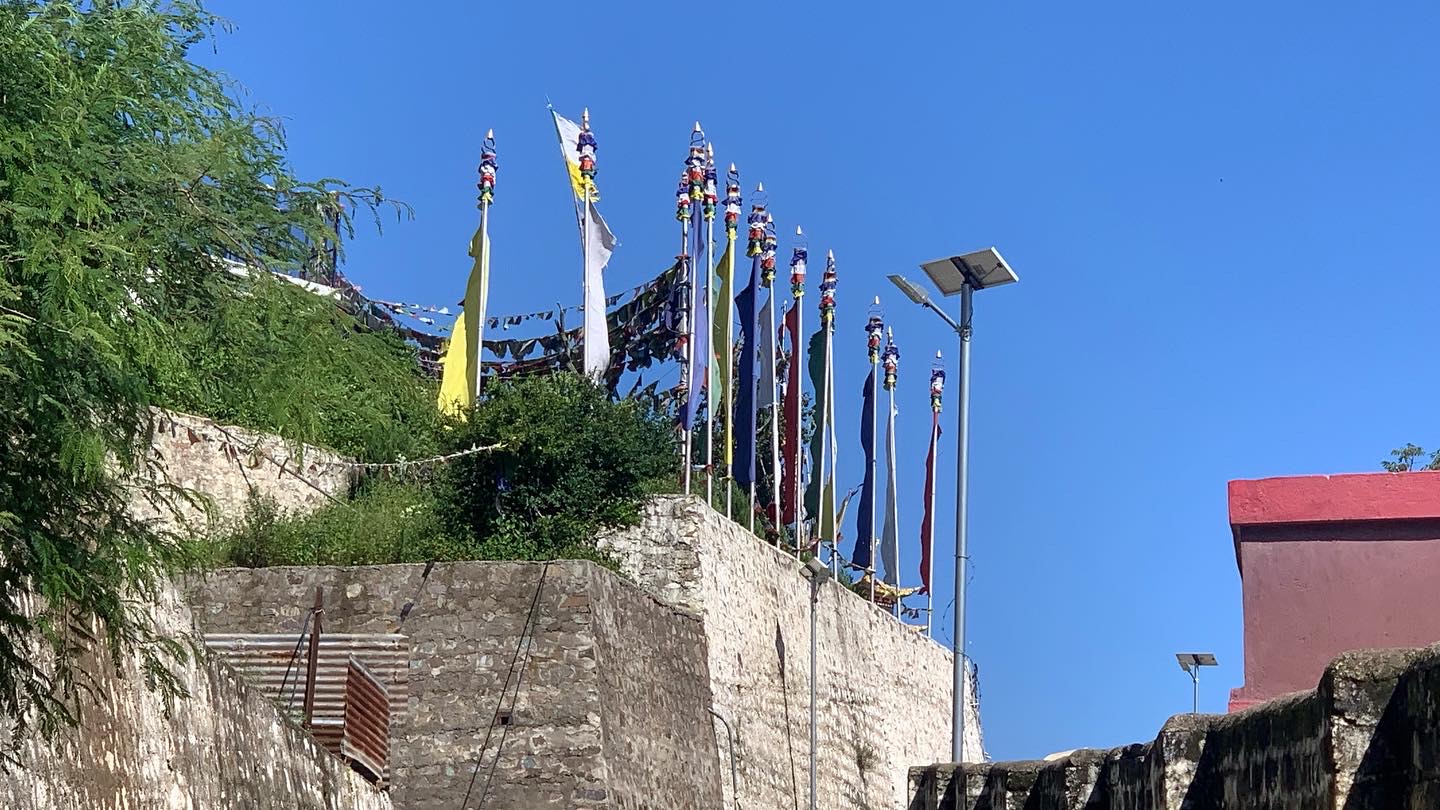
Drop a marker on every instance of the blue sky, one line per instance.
(1223, 216)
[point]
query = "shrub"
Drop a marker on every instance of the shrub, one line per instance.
(572, 462)
(387, 522)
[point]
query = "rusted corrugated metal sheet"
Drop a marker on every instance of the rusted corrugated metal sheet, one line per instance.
(375, 665)
(367, 720)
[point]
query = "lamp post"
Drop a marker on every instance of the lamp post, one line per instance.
(817, 572)
(960, 275)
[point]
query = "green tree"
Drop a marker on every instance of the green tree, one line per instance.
(1406, 457)
(126, 170)
(570, 463)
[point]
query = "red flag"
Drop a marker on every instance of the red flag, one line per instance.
(927, 524)
(789, 442)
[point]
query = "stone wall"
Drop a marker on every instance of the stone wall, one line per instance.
(1366, 738)
(613, 695)
(224, 747)
(221, 465)
(883, 689)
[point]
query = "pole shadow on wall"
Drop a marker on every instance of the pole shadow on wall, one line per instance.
(785, 694)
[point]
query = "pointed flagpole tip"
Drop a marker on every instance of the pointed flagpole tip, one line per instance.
(759, 188)
(937, 354)
(710, 149)
(490, 133)
(732, 168)
(799, 232)
(697, 127)
(830, 254)
(877, 300)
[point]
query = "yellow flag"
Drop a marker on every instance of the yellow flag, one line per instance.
(455, 391)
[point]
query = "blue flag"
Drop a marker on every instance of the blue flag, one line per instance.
(743, 470)
(865, 518)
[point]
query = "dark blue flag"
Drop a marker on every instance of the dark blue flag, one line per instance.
(865, 518)
(743, 469)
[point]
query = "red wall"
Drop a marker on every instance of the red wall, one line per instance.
(1329, 564)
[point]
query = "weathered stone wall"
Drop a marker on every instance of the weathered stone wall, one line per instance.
(222, 465)
(224, 747)
(613, 697)
(883, 690)
(1366, 738)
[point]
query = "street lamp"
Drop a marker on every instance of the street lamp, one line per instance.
(817, 572)
(960, 275)
(1191, 663)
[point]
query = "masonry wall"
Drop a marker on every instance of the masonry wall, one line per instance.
(613, 694)
(223, 464)
(1366, 738)
(225, 747)
(883, 689)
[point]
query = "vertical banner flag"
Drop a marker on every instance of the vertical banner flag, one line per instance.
(927, 523)
(863, 556)
(577, 146)
(723, 330)
(820, 496)
(744, 470)
(890, 533)
(790, 441)
(460, 372)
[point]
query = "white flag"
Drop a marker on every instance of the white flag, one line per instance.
(599, 244)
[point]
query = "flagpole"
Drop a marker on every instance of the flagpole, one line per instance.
(682, 213)
(587, 172)
(767, 270)
(698, 173)
(874, 329)
(488, 167)
(827, 419)
(891, 360)
(798, 257)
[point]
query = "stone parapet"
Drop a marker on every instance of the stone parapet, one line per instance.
(1366, 738)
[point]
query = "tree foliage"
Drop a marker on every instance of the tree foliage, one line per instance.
(274, 357)
(571, 463)
(1405, 459)
(125, 171)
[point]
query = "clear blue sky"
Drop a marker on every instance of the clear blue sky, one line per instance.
(1223, 216)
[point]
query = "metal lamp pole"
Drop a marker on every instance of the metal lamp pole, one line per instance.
(962, 497)
(981, 269)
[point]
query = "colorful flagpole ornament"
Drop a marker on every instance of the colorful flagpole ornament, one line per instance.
(460, 376)
(927, 523)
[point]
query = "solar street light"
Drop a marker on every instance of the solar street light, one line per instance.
(960, 275)
(1191, 663)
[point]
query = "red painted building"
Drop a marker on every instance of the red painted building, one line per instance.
(1330, 563)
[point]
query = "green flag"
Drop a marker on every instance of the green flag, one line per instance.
(723, 340)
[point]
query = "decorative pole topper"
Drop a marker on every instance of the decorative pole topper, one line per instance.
(767, 254)
(732, 201)
(695, 164)
(937, 384)
(874, 332)
(487, 169)
(827, 289)
(757, 222)
(891, 360)
(682, 202)
(710, 191)
(797, 265)
(585, 146)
